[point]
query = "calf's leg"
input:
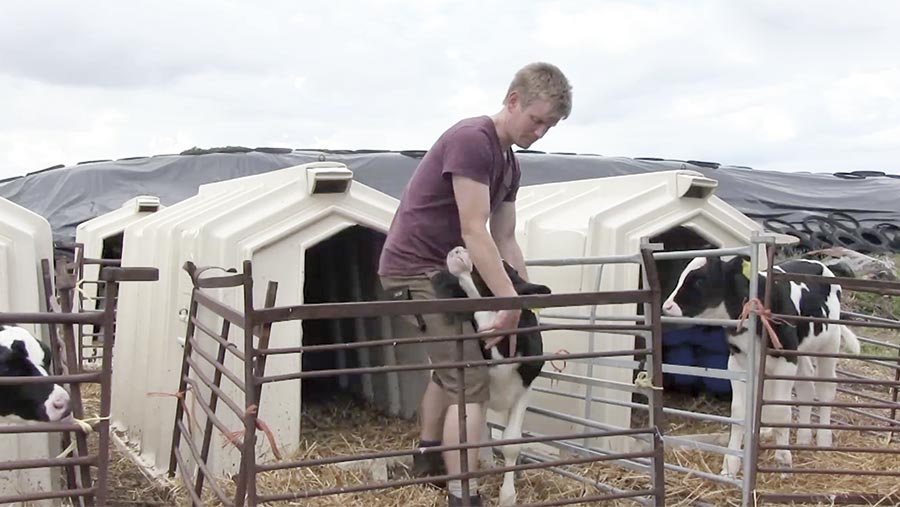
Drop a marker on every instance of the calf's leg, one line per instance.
(805, 393)
(781, 414)
(825, 392)
(511, 452)
(732, 464)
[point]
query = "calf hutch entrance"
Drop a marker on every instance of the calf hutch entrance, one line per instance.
(561, 228)
(312, 230)
(344, 268)
(314, 469)
(686, 344)
(577, 237)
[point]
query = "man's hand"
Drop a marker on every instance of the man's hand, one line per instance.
(505, 319)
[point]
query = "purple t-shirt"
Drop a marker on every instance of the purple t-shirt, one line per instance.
(426, 226)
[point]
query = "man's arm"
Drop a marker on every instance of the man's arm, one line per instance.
(473, 201)
(503, 229)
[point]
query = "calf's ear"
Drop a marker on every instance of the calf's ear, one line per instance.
(532, 288)
(19, 349)
(739, 265)
(47, 353)
(446, 285)
(512, 273)
(522, 287)
(14, 360)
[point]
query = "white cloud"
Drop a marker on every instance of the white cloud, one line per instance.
(802, 85)
(865, 97)
(764, 124)
(472, 101)
(610, 27)
(175, 143)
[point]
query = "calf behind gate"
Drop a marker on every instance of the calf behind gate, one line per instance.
(23, 355)
(510, 384)
(715, 289)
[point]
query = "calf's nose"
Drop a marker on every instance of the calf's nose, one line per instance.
(671, 308)
(57, 405)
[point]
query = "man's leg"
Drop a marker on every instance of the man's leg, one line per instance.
(445, 385)
(476, 384)
(431, 429)
(431, 413)
(474, 425)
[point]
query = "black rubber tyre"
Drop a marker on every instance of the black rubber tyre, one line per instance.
(815, 223)
(849, 176)
(844, 221)
(892, 233)
(874, 238)
(822, 238)
(869, 174)
(849, 240)
(778, 225)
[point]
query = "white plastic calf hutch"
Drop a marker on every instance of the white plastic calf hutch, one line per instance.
(102, 236)
(604, 217)
(25, 239)
(311, 229)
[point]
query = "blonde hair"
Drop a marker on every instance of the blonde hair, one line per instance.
(540, 80)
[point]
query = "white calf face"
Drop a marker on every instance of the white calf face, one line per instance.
(22, 355)
(670, 305)
(459, 262)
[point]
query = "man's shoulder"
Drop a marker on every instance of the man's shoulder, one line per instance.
(478, 127)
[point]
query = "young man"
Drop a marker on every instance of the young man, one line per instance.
(468, 178)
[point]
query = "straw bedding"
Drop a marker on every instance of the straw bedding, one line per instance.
(344, 426)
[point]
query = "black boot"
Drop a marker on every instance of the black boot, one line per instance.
(474, 501)
(429, 464)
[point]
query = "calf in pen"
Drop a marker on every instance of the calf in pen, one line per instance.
(256, 483)
(861, 467)
(29, 391)
(712, 288)
(23, 355)
(510, 384)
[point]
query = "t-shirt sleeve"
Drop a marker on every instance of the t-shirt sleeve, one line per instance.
(468, 153)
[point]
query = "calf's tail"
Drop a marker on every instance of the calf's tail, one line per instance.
(849, 341)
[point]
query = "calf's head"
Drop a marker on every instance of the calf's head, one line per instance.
(522, 287)
(460, 264)
(23, 355)
(705, 284)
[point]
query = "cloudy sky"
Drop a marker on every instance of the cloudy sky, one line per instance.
(800, 85)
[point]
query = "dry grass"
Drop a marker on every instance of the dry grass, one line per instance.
(795, 483)
(344, 427)
(347, 427)
(128, 487)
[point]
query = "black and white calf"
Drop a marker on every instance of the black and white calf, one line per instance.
(510, 384)
(23, 355)
(712, 288)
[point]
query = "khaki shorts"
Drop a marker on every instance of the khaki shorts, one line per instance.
(476, 378)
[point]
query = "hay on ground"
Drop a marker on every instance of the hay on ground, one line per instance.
(344, 426)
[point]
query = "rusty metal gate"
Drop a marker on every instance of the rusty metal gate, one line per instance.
(89, 294)
(250, 350)
(873, 400)
(86, 473)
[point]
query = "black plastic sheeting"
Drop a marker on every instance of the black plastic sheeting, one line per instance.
(860, 210)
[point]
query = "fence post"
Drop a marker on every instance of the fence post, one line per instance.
(655, 397)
